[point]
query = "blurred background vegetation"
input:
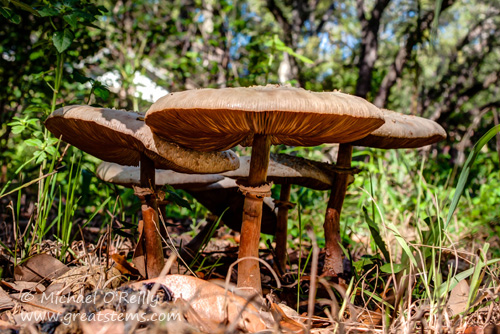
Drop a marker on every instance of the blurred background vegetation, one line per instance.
(435, 59)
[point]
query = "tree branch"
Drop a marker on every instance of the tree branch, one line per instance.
(404, 55)
(369, 44)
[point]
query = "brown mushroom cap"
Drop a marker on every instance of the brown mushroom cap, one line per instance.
(403, 131)
(288, 169)
(121, 136)
(131, 175)
(223, 118)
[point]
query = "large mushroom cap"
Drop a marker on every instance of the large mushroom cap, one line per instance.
(131, 175)
(403, 131)
(223, 118)
(121, 136)
(288, 169)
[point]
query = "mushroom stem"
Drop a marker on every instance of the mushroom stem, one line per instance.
(248, 270)
(333, 260)
(282, 227)
(151, 240)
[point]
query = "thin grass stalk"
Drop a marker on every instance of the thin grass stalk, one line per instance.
(300, 254)
(313, 283)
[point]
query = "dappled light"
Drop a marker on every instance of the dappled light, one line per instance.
(250, 166)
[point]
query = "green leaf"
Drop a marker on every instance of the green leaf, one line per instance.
(80, 78)
(85, 16)
(41, 157)
(72, 20)
(51, 150)
(37, 54)
(463, 180)
(62, 40)
(449, 285)
(174, 197)
(102, 9)
(477, 276)
(102, 92)
(34, 142)
(364, 261)
(17, 129)
(6, 12)
(398, 267)
(15, 19)
(47, 11)
(23, 6)
(402, 242)
(375, 232)
(9, 15)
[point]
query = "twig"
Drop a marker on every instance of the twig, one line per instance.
(314, 273)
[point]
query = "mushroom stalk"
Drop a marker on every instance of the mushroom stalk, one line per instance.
(282, 226)
(333, 260)
(248, 270)
(151, 240)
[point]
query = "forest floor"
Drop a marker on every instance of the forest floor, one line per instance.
(97, 291)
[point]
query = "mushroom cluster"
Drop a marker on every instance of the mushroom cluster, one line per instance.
(259, 116)
(122, 137)
(192, 132)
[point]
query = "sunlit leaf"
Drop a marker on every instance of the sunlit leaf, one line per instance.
(463, 180)
(71, 19)
(62, 40)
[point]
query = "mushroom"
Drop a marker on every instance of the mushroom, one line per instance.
(218, 119)
(286, 170)
(122, 137)
(213, 191)
(130, 176)
(224, 200)
(399, 131)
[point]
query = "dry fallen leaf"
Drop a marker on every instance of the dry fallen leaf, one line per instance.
(39, 302)
(459, 296)
(24, 286)
(123, 266)
(7, 326)
(211, 301)
(91, 276)
(5, 301)
(287, 324)
(40, 267)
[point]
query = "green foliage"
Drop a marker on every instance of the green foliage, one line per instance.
(464, 175)
(52, 53)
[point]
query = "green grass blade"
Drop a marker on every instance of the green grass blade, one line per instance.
(402, 242)
(475, 281)
(375, 232)
(451, 283)
(464, 175)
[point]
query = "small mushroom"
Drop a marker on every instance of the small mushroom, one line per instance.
(218, 119)
(214, 191)
(130, 176)
(287, 170)
(224, 200)
(399, 131)
(122, 137)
